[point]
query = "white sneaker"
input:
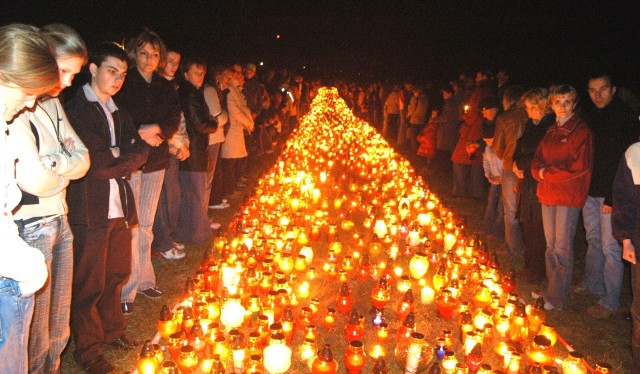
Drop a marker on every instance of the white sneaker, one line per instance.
(219, 206)
(215, 225)
(172, 254)
(178, 245)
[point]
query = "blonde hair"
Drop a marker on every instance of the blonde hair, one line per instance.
(65, 41)
(537, 97)
(26, 59)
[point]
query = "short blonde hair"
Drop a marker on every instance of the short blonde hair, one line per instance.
(537, 97)
(26, 59)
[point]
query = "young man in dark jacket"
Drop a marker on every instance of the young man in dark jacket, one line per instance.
(614, 128)
(193, 224)
(102, 210)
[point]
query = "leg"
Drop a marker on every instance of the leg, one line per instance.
(15, 317)
(560, 256)
(534, 249)
(217, 187)
(89, 262)
(131, 287)
(476, 181)
(194, 222)
(117, 266)
(460, 172)
(594, 260)
(613, 269)
(61, 284)
(512, 229)
(166, 219)
(144, 276)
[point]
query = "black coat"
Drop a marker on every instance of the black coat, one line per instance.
(200, 123)
(155, 102)
(88, 197)
(525, 149)
(614, 129)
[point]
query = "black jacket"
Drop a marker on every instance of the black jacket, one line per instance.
(200, 123)
(614, 130)
(155, 102)
(88, 198)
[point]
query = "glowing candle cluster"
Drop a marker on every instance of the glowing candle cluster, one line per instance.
(328, 251)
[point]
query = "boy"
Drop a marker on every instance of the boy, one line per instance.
(102, 209)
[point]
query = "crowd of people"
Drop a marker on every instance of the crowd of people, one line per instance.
(125, 168)
(130, 165)
(546, 158)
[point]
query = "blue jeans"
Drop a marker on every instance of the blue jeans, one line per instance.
(15, 317)
(193, 225)
(493, 222)
(512, 228)
(603, 264)
(468, 180)
(559, 229)
(166, 220)
(146, 192)
(50, 325)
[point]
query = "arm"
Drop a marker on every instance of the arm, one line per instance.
(215, 108)
(581, 153)
(623, 218)
(238, 109)
(499, 138)
(76, 165)
(170, 104)
(32, 175)
(196, 112)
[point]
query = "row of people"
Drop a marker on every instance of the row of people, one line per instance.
(135, 171)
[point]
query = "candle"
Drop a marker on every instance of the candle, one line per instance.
(427, 295)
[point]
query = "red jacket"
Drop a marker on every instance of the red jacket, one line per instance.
(566, 154)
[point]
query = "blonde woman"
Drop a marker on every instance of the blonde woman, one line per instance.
(27, 70)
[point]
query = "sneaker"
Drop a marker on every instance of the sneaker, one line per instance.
(178, 245)
(172, 254)
(215, 225)
(219, 206)
(599, 311)
(152, 292)
(127, 308)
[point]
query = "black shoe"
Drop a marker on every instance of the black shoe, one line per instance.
(99, 365)
(127, 308)
(124, 343)
(152, 292)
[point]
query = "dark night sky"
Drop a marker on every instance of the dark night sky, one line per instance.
(539, 41)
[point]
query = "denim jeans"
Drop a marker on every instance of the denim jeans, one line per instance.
(493, 222)
(603, 264)
(146, 192)
(15, 317)
(512, 228)
(166, 220)
(193, 225)
(468, 180)
(213, 151)
(52, 304)
(559, 229)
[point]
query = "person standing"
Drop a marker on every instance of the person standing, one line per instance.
(529, 211)
(102, 211)
(193, 225)
(614, 129)
(153, 103)
(27, 70)
(625, 224)
(562, 166)
(509, 128)
(166, 219)
(50, 154)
